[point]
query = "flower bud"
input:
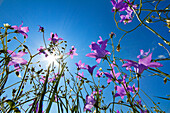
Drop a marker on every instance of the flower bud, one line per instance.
(100, 69)
(160, 44)
(118, 48)
(7, 25)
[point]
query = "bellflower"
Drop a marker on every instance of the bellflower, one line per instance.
(111, 76)
(122, 92)
(90, 69)
(119, 5)
(42, 50)
(125, 18)
(80, 75)
(142, 65)
(16, 59)
(22, 30)
(80, 65)
(89, 102)
(54, 38)
(41, 29)
(99, 52)
(72, 52)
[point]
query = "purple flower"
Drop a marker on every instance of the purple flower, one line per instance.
(80, 75)
(99, 52)
(42, 50)
(90, 69)
(118, 111)
(143, 54)
(16, 59)
(142, 65)
(112, 74)
(22, 30)
(89, 102)
(100, 41)
(41, 29)
(133, 89)
(121, 89)
(119, 5)
(72, 52)
(99, 74)
(80, 65)
(125, 19)
(54, 38)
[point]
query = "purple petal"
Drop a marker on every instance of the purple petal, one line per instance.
(15, 27)
(146, 60)
(25, 29)
(11, 52)
(155, 64)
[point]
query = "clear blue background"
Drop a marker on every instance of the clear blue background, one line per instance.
(80, 22)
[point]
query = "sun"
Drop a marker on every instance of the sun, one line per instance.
(50, 59)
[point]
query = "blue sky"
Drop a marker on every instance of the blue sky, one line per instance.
(80, 22)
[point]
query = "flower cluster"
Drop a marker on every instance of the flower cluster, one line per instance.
(122, 5)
